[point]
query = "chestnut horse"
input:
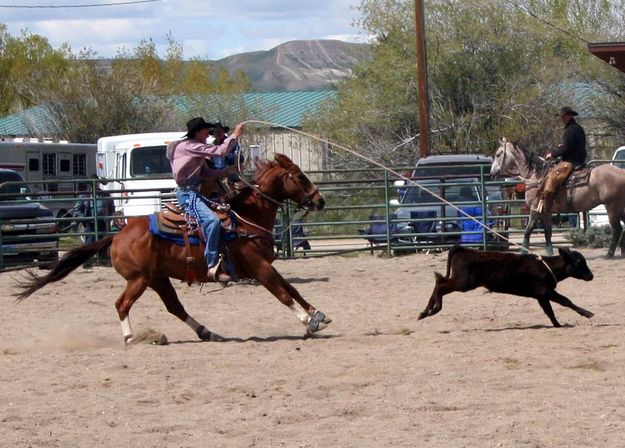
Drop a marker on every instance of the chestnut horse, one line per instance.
(606, 185)
(145, 260)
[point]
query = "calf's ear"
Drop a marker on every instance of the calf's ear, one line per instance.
(565, 252)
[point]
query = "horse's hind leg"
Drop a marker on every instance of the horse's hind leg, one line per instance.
(622, 237)
(617, 230)
(167, 293)
(313, 319)
(134, 288)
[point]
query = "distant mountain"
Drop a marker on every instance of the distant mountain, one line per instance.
(299, 64)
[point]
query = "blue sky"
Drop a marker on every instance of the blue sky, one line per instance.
(206, 29)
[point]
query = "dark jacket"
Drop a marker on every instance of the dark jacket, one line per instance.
(573, 148)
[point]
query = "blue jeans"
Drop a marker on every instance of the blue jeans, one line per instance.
(194, 204)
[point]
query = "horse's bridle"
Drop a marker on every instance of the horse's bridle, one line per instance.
(286, 176)
(308, 195)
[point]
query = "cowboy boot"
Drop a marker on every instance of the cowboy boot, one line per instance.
(218, 274)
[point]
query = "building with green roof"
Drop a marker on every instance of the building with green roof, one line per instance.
(283, 110)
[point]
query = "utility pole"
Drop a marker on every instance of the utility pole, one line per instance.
(422, 80)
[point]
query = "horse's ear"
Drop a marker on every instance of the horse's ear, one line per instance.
(261, 164)
(283, 161)
(503, 140)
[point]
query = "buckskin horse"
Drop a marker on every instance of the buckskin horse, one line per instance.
(605, 184)
(145, 260)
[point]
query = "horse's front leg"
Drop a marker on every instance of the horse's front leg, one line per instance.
(308, 315)
(531, 224)
(546, 219)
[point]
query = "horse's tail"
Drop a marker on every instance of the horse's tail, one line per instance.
(65, 265)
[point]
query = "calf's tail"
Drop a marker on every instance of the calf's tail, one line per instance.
(450, 256)
(70, 261)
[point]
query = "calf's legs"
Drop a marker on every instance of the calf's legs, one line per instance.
(446, 285)
(443, 285)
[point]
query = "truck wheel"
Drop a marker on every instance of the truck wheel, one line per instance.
(64, 226)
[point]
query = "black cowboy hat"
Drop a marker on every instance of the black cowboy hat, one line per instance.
(218, 125)
(196, 124)
(567, 111)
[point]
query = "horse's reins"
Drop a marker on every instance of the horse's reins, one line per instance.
(286, 175)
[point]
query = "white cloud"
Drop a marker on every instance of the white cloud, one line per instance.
(205, 28)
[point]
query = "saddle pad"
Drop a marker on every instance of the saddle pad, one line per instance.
(579, 177)
(174, 238)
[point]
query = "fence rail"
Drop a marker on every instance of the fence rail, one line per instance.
(361, 216)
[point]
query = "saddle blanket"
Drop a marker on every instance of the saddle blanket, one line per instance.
(176, 239)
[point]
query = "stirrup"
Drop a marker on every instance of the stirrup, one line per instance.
(213, 276)
(540, 207)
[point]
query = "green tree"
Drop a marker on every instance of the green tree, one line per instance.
(88, 103)
(28, 66)
(494, 70)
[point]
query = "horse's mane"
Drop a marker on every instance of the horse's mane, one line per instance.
(262, 167)
(532, 159)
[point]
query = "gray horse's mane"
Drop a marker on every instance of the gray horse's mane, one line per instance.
(532, 159)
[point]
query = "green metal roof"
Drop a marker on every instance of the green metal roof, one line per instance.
(283, 108)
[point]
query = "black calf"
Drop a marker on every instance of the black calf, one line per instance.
(521, 275)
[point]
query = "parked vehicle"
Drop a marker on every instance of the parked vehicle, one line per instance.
(598, 216)
(422, 218)
(140, 162)
(48, 162)
(27, 228)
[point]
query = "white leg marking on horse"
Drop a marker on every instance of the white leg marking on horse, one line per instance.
(127, 330)
(300, 314)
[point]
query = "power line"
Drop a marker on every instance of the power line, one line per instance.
(546, 22)
(85, 5)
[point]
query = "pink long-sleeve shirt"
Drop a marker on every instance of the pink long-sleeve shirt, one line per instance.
(187, 159)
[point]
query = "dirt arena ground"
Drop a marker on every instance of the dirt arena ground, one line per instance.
(488, 371)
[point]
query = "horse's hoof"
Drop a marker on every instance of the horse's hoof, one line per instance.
(317, 322)
(214, 337)
(207, 335)
(323, 318)
(129, 340)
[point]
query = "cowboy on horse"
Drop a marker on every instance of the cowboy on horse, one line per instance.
(572, 154)
(188, 161)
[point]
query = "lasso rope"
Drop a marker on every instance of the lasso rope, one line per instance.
(401, 176)
(390, 170)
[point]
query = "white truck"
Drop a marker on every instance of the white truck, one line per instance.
(598, 216)
(139, 169)
(51, 169)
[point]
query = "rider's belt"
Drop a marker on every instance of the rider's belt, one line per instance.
(189, 187)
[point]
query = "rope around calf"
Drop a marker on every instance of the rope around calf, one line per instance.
(390, 170)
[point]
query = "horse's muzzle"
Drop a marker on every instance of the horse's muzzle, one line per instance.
(316, 203)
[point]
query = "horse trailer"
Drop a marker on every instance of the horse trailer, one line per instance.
(51, 170)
